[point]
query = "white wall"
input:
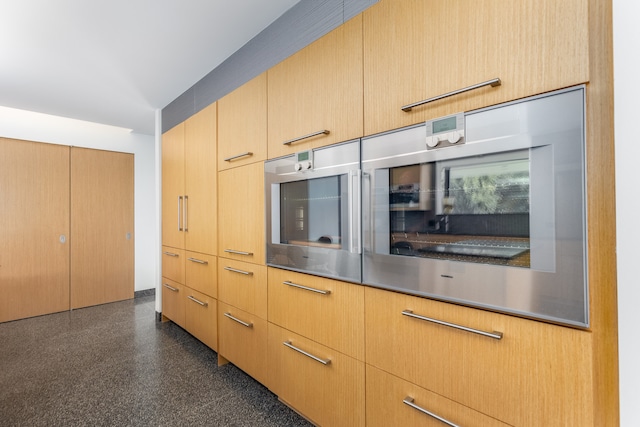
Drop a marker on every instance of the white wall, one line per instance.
(20, 124)
(627, 94)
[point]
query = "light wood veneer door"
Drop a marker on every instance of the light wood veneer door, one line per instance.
(173, 187)
(201, 319)
(174, 301)
(102, 227)
(243, 285)
(34, 214)
(419, 49)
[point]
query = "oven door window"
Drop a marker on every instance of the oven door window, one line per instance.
(312, 212)
(473, 209)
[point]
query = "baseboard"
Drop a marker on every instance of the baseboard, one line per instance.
(144, 293)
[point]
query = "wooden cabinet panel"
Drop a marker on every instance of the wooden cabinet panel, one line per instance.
(331, 394)
(537, 374)
(173, 301)
(243, 285)
(241, 216)
(173, 264)
(419, 49)
(318, 88)
(244, 346)
(102, 230)
(385, 405)
(242, 124)
(34, 214)
(202, 273)
(173, 187)
(334, 318)
(201, 317)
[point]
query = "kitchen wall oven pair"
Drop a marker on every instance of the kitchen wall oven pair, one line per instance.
(484, 208)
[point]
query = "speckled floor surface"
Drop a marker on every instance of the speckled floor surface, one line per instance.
(115, 365)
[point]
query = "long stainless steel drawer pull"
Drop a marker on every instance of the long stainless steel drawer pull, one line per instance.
(409, 401)
(494, 335)
(199, 261)
(246, 273)
(320, 132)
(171, 288)
(316, 358)
(493, 83)
(204, 304)
(306, 288)
(235, 319)
(171, 254)
(237, 156)
(233, 251)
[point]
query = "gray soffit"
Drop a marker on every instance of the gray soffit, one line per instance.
(300, 26)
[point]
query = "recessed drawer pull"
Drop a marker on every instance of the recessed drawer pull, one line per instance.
(494, 334)
(316, 358)
(237, 156)
(233, 251)
(199, 261)
(409, 401)
(171, 254)
(204, 304)
(171, 288)
(320, 132)
(493, 83)
(246, 273)
(306, 288)
(235, 319)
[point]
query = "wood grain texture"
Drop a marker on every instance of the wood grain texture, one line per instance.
(201, 273)
(242, 124)
(34, 213)
(102, 227)
(335, 320)
(418, 49)
(201, 318)
(173, 301)
(318, 88)
(173, 264)
(173, 186)
(247, 292)
(537, 374)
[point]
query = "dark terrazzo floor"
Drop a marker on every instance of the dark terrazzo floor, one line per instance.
(115, 365)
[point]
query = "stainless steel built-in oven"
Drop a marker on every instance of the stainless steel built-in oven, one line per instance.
(485, 208)
(313, 211)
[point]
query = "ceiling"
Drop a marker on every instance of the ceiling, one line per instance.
(115, 62)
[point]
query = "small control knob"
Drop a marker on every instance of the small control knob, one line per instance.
(454, 137)
(432, 141)
(297, 167)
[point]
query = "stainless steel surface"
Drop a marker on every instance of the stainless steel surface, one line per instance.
(233, 251)
(306, 288)
(494, 334)
(355, 211)
(410, 401)
(235, 319)
(202, 303)
(548, 132)
(311, 135)
(493, 83)
(235, 270)
(171, 288)
(199, 261)
(186, 214)
(237, 156)
(316, 358)
(171, 254)
(179, 213)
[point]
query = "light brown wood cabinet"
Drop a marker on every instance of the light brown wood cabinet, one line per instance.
(242, 124)
(536, 374)
(317, 89)
(243, 285)
(201, 318)
(418, 49)
(173, 298)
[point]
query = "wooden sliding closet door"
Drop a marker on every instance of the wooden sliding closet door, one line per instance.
(34, 229)
(102, 219)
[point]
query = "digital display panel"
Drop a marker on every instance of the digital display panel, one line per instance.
(302, 156)
(444, 125)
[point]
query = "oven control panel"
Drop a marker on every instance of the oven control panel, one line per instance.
(304, 161)
(445, 131)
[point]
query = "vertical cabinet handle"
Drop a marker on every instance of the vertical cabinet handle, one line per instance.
(309, 355)
(493, 83)
(409, 401)
(204, 304)
(186, 215)
(320, 132)
(179, 213)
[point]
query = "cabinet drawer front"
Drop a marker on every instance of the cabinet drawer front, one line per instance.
(330, 394)
(244, 286)
(328, 311)
(173, 301)
(242, 339)
(528, 377)
(386, 396)
(173, 264)
(201, 273)
(201, 317)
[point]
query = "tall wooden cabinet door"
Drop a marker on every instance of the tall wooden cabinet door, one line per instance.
(34, 229)
(199, 207)
(242, 124)
(241, 215)
(173, 187)
(317, 89)
(415, 50)
(102, 227)
(174, 301)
